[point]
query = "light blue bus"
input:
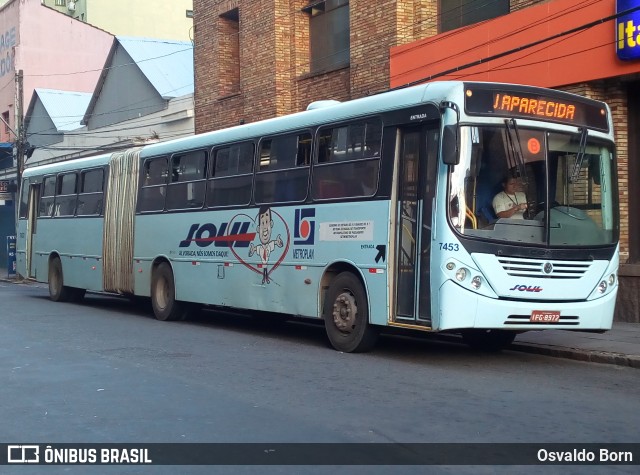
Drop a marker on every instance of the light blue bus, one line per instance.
(378, 212)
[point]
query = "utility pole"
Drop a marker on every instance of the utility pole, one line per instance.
(19, 131)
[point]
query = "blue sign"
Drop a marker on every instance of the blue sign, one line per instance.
(628, 30)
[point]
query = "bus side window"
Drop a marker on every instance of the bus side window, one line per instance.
(154, 184)
(45, 208)
(90, 199)
(285, 176)
(348, 160)
(187, 186)
(66, 197)
(231, 175)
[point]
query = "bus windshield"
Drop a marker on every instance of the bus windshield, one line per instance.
(533, 186)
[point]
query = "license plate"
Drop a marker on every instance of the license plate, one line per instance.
(545, 316)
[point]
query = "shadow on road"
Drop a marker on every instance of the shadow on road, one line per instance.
(393, 343)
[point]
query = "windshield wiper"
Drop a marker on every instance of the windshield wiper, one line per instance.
(513, 138)
(581, 153)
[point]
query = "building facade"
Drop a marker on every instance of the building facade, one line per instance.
(156, 105)
(61, 54)
(167, 19)
(260, 59)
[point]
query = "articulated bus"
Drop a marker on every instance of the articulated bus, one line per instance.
(377, 212)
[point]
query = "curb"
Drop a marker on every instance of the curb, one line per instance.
(15, 280)
(578, 354)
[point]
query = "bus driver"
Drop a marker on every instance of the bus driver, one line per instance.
(510, 203)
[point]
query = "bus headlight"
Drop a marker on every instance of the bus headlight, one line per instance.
(602, 287)
(612, 279)
(450, 266)
(476, 282)
(461, 274)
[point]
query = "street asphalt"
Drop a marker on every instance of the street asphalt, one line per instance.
(618, 346)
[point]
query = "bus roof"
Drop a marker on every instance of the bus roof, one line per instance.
(75, 164)
(341, 111)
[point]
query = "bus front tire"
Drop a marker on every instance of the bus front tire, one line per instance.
(488, 340)
(163, 295)
(346, 315)
(58, 292)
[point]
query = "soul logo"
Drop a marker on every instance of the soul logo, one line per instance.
(526, 288)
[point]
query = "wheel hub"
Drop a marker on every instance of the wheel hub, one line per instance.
(344, 312)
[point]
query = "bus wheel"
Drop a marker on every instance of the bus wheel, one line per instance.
(488, 340)
(58, 292)
(346, 315)
(163, 295)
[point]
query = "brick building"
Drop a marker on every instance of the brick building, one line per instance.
(260, 59)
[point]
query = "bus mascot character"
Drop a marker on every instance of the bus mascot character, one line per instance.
(267, 245)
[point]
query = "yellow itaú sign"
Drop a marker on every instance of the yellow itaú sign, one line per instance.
(628, 29)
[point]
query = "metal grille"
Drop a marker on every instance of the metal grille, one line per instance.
(541, 268)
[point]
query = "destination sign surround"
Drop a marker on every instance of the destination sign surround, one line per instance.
(528, 103)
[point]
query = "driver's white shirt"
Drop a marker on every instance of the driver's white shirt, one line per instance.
(503, 202)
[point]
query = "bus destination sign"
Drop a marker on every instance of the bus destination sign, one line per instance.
(536, 107)
(531, 105)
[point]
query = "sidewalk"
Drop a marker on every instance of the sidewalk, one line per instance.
(618, 346)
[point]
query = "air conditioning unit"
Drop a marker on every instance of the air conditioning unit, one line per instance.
(71, 6)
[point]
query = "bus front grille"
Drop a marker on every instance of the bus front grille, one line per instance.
(541, 268)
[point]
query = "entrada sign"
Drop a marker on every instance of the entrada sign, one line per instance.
(628, 30)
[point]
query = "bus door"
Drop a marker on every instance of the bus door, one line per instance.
(416, 180)
(32, 221)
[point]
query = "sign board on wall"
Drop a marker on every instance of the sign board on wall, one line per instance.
(628, 30)
(5, 190)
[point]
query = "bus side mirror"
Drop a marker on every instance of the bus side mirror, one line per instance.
(450, 145)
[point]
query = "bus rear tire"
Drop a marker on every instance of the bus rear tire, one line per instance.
(346, 315)
(58, 292)
(488, 340)
(163, 295)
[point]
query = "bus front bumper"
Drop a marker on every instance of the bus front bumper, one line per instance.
(460, 308)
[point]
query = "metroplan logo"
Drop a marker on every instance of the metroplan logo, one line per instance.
(304, 228)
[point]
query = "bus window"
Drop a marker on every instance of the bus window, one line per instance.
(187, 186)
(231, 175)
(154, 185)
(24, 200)
(284, 169)
(348, 160)
(66, 197)
(48, 196)
(91, 194)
